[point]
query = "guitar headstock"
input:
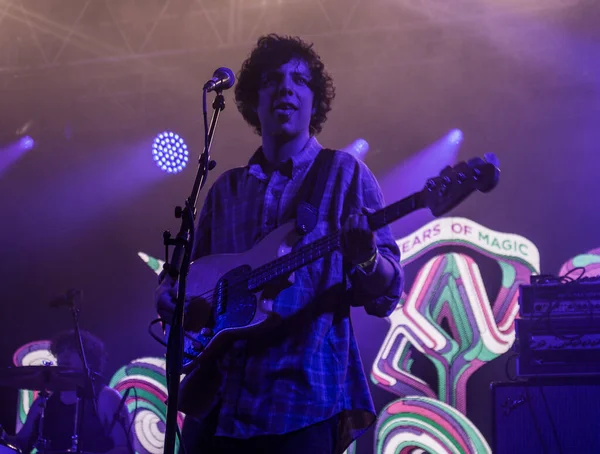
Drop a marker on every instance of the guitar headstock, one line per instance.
(454, 184)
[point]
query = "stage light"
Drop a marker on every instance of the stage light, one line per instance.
(358, 148)
(455, 136)
(170, 152)
(26, 143)
(12, 152)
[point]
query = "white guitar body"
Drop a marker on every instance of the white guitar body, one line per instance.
(201, 384)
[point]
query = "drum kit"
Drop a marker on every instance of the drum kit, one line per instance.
(47, 379)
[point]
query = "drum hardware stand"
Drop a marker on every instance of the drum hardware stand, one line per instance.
(77, 426)
(41, 443)
(88, 390)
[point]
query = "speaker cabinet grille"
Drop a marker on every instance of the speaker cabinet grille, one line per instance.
(542, 414)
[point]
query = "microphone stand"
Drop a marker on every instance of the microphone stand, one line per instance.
(178, 269)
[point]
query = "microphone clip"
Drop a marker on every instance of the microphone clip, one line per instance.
(69, 299)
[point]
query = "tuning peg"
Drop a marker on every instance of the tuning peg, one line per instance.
(487, 175)
(431, 184)
(492, 159)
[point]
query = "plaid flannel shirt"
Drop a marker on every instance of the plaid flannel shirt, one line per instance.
(285, 383)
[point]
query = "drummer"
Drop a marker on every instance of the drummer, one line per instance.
(104, 431)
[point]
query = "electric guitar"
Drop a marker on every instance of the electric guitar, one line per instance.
(228, 294)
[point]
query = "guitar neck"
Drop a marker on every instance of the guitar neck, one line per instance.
(395, 211)
(312, 252)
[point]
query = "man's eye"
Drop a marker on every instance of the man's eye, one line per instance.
(268, 80)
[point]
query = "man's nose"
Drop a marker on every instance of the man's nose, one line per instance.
(285, 86)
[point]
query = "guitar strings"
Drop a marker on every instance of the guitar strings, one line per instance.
(329, 243)
(266, 272)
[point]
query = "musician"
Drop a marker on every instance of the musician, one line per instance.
(301, 389)
(106, 431)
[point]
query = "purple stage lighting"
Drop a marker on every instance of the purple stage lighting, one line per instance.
(170, 152)
(26, 143)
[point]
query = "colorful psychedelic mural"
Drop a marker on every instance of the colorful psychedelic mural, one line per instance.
(450, 287)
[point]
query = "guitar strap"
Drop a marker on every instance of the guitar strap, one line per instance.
(312, 191)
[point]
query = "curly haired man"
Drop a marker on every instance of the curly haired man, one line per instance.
(302, 388)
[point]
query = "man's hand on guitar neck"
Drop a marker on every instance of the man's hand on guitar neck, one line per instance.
(357, 240)
(359, 247)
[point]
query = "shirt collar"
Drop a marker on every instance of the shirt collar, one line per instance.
(289, 167)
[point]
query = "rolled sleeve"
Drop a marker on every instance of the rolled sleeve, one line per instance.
(382, 304)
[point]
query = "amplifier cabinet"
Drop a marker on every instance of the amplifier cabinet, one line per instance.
(549, 415)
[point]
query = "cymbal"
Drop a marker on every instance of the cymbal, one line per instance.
(49, 378)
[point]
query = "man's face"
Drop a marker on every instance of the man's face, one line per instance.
(285, 101)
(70, 359)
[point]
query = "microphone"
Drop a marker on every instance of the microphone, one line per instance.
(222, 79)
(68, 299)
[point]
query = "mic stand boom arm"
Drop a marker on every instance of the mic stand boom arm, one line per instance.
(178, 269)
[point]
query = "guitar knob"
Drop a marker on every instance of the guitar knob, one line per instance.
(197, 346)
(430, 185)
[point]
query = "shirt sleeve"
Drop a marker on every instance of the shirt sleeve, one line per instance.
(366, 193)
